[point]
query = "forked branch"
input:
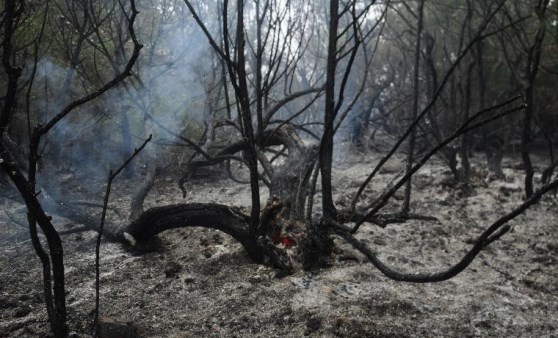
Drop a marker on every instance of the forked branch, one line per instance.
(467, 126)
(492, 233)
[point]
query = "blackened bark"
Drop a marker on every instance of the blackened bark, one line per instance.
(37, 213)
(259, 61)
(209, 215)
(10, 18)
(326, 146)
(242, 94)
(47, 282)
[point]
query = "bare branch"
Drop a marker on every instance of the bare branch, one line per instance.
(467, 126)
(492, 233)
(111, 177)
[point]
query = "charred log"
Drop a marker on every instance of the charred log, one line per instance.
(209, 215)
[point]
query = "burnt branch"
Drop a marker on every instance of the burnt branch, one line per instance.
(495, 231)
(210, 215)
(383, 220)
(112, 176)
(45, 128)
(38, 214)
(465, 127)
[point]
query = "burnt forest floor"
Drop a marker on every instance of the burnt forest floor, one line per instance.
(200, 283)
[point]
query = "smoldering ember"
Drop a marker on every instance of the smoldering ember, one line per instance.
(278, 168)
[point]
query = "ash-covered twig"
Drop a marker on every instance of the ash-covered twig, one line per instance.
(111, 177)
(492, 233)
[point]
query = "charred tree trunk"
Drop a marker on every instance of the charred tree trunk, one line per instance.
(55, 297)
(281, 224)
(534, 57)
(326, 146)
(275, 234)
(414, 109)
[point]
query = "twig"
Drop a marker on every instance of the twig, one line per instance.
(111, 177)
(494, 231)
(467, 126)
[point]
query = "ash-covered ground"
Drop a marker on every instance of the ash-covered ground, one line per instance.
(200, 283)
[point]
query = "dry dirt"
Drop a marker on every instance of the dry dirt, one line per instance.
(200, 283)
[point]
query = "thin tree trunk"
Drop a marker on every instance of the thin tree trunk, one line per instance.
(414, 111)
(246, 118)
(26, 188)
(534, 58)
(259, 57)
(465, 140)
(326, 149)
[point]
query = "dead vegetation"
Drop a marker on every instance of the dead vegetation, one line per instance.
(200, 282)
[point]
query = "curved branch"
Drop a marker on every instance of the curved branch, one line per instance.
(274, 108)
(209, 215)
(494, 232)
